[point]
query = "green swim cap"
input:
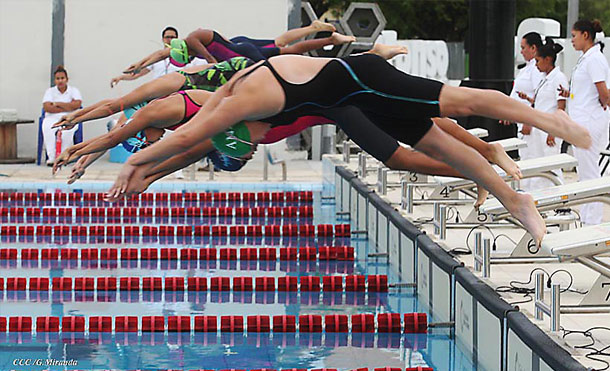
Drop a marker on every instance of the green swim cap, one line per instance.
(179, 51)
(234, 142)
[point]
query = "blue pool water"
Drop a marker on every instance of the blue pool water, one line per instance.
(248, 351)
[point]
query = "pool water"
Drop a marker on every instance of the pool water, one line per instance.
(215, 350)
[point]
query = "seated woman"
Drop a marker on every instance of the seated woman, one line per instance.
(284, 87)
(58, 100)
(214, 47)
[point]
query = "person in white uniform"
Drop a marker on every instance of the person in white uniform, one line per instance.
(525, 83)
(588, 106)
(547, 98)
(57, 101)
(162, 67)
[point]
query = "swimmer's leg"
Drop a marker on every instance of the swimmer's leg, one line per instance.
(388, 51)
(460, 101)
(494, 153)
(299, 33)
(443, 147)
(314, 44)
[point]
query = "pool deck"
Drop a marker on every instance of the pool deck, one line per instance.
(300, 170)
(501, 275)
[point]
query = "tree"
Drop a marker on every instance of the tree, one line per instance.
(448, 19)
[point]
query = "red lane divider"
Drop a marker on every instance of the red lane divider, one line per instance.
(177, 198)
(116, 215)
(292, 230)
(284, 284)
(322, 253)
(307, 323)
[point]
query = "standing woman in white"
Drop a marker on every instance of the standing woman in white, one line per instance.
(547, 98)
(525, 84)
(57, 101)
(588, 106)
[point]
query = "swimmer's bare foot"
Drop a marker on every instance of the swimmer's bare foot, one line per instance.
(497, 155)
(322, 26)
(482, 194)
(338, 39)
(522, 207)
(388, 51)
(570, 131)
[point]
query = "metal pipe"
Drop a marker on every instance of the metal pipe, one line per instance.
(539, 296)
(555, 307)
(443, 221)
(210, 170)
(403, 194)
(265, 163)
(410, 194)
(589, 309)
(435, 220)
(284, 170)
(510, 260)
(384, 181)
(380, 189)
(346, 151)
(361, 165)
(596, 265)
(478, 242)
(486, 258)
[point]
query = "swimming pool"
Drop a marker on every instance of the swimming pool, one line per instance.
(164, 284)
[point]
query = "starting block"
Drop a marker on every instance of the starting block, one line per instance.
(557, 244)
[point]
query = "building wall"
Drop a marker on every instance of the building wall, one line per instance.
(102, 37)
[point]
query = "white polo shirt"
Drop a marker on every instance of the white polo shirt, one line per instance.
(54, 95)
(164, 67)
(546, 94)
(526, 81)
(592, 67)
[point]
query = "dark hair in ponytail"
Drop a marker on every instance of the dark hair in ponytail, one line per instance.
(549, 49)
(533, 39)
(59, 69)
(590, 27)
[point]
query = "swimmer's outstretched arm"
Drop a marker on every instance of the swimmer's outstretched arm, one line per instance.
(70, 120)
(67, 155)
(78, 170)
(136, 179)
(150, 59)
(156, 88)
(160, 113)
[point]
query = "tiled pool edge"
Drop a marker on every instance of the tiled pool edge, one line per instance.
(497, 335)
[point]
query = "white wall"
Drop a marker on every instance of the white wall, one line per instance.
(25, 62)
(104, 36)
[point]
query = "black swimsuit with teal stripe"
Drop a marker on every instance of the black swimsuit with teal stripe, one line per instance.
(369, 83)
